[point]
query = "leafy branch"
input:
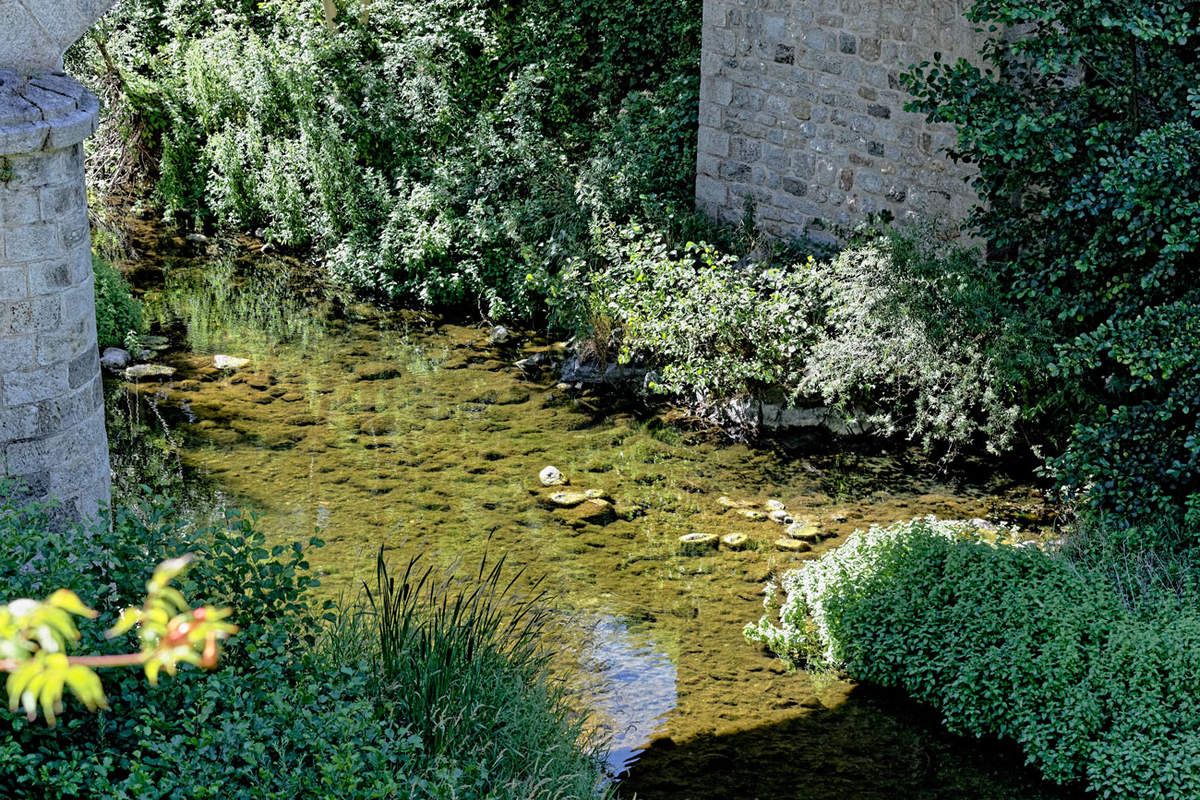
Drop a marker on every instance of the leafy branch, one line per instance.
(34, 637)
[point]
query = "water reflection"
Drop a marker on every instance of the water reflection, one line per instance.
(629, 684)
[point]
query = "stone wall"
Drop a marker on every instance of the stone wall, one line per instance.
(801, 113)
(52, 434)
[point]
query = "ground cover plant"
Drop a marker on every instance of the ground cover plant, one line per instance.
(1091, 673)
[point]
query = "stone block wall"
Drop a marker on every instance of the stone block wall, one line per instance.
(52, 436)
(802, 113)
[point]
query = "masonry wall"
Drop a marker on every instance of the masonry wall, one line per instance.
(52, 437)
(802, 113)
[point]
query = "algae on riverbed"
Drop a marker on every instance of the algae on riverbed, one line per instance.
(418, 435)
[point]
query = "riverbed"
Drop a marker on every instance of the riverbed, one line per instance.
(419, 435)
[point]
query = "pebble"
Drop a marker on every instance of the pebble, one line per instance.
(552, 476)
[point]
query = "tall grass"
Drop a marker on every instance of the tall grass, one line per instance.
(463, 664)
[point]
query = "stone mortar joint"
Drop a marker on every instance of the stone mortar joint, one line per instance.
(45, 112)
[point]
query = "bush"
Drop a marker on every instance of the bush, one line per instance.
(1094, 682)
(912, 331)
(117, 312)
(1084, 132)
(441, 152)
(298, 707)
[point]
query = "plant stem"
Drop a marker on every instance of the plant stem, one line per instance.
(97, 662)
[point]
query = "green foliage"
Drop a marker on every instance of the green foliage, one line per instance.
(1088, 150)
(914, 333)
(35, 636)
(1094, 678)
(451, 152)
(117, 312)
(298, 707)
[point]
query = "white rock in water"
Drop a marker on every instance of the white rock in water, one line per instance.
(115, 359)
(775, 505)
(499, 335)
(781, 516)
(153, 372)
(221, 361)
(197, 238)
(552, 476)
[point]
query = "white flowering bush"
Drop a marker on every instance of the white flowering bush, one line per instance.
(1012, 642)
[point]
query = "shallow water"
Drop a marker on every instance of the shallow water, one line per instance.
(416, 435)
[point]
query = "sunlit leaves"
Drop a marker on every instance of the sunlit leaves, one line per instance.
(34, 637)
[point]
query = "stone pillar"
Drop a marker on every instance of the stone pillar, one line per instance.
(52, 436)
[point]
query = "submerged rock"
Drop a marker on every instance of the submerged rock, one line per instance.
(552, 476)
(805, 531)
(155, 343)
(735, 541)
(792, 546)
(698, 544)
(727, 502)
(751, 514)
(568, 499)
(115, 359)
(221, 361)
(152, 372)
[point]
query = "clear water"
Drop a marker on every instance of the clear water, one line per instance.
(416, 435)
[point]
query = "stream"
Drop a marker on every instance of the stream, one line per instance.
(403, 431)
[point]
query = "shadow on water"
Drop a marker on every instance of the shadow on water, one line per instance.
(874, 745)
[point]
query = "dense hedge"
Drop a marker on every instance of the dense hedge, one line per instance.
(1096, 682)
(299, 706)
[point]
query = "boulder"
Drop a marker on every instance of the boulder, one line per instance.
(735, 541)
(751, 514)
(568, 499)
(781, 516)
(727, 502)
(115, 359)
(805, 531)
(149, 372)
(499, 335)
(792, 546)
